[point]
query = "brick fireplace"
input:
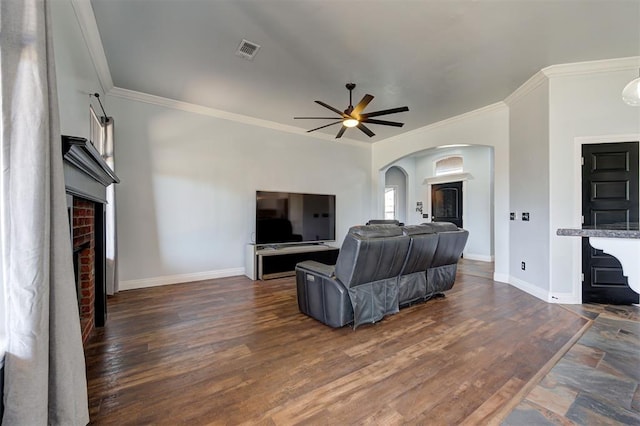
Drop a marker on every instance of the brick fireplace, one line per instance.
(86, 178)
(83, 232)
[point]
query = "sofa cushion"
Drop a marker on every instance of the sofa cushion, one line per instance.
(417, 229)
(384, 222)
(362, 260)
(441, 226)
(450, 247)
(375, 231)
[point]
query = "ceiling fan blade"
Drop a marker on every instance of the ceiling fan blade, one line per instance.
(383, 122)
(314, 118)
(337, 111)
(384, 112)
(361, 105)
(341, 132)
(366, 130)
(322, 127)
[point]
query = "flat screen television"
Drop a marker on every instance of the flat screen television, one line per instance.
(289, 218)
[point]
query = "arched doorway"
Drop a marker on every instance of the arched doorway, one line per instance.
(426, 168)
(395, 194)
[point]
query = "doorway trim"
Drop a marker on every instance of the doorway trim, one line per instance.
(454, 177)
(577, 201)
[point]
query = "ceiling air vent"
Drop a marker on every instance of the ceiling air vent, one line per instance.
(247, 49)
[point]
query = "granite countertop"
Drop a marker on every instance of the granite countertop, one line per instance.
(622, 230)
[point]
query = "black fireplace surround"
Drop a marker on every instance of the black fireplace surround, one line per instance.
(87, 176)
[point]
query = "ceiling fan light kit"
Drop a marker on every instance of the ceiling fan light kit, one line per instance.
(631, 93)
(350, 122)
(354, 117)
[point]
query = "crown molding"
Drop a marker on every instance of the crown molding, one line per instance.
(132, 95)
(593, 67)
(527, 87)
(573, 69)
(89, 28)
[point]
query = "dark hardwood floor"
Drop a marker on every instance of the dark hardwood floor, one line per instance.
(234, 351)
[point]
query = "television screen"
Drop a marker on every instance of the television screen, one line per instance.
(285, 217)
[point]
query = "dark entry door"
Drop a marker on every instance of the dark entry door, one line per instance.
(609, 195)
(446, 203)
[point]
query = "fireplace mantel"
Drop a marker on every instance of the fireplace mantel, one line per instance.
(86, 177)
(86, 174)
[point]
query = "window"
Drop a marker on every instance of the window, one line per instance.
(96, 131)
(390, 202)
(449, 166)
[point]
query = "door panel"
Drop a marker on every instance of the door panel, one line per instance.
(609, 195)
(446, 203)
(613, 190)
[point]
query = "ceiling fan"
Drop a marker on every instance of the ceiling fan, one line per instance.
(354, 117)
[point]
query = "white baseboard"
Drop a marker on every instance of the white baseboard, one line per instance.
(530, 288)
(565, 298)
(181, 278)
(479, 257)
(501, 278)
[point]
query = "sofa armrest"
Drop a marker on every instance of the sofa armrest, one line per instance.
(317, 268)
(322, 297)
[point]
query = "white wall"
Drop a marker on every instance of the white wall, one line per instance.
(478, 194)
(75, 73)
(529, 190)
(584, 107)
(186, 202)
(487, 127)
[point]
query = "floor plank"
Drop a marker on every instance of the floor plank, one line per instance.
(233, 351)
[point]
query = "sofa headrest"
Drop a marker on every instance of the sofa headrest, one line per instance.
(417, 230)
(442, 226)
(383, 222)
(375, 231)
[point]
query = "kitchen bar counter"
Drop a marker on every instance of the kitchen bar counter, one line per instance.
(605, 231)
(621, 241)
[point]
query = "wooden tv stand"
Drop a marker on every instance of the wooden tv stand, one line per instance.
(265, 261)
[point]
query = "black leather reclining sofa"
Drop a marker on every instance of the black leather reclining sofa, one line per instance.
(379, 269)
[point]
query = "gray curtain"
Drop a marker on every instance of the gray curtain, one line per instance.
(111, 243)
(45, 379)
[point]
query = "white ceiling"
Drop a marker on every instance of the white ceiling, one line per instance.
(440, 58)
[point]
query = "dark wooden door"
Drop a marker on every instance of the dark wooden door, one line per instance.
(609, 195)
(446, 203)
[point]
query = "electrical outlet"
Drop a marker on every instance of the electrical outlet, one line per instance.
(525, 217)
(512, 216)
(523, 266)
(425, 216)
